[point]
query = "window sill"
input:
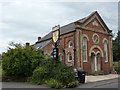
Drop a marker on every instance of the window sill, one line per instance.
(85, 61)
(106, 62)
(69, 61)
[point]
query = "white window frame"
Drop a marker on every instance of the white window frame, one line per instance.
(106, 51)
(84, 53)
(69, 53)
(94, 37)
(69, 44)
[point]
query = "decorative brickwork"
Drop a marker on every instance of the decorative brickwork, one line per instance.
(74, 32)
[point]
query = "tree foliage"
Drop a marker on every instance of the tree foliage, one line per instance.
(116, 47)
(0, 59)
(51, 70)
(21, 60)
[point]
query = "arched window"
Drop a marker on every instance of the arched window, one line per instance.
(84, 50)
(69, 44)
(69, 57)
(105, 51)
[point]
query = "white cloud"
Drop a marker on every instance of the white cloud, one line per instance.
(25, 20)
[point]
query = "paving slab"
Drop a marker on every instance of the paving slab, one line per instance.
(92, 78)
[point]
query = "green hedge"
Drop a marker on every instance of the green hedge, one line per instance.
(117, 67)
(59, 72)
(53, 83)
(21, 61)
(72, 84)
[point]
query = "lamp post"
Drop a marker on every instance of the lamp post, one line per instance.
(56, 35)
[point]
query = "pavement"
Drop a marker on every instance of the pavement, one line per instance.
(91, 78)
(110, 83)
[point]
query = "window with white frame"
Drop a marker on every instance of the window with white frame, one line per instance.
(69, 44)
(105, 51)
(69, 57)
(84, 50)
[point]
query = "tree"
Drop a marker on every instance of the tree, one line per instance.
(0, 59)
(116, 47)
(21, 60)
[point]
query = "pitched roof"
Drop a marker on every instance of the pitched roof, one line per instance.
(70, 27)
(67, 28)
(42, 44)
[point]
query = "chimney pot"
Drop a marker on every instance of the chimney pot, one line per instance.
(27, 44)
(39, 38)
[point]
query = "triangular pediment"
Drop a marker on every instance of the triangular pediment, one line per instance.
(95, 22)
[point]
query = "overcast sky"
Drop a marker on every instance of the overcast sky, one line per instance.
(24, 20)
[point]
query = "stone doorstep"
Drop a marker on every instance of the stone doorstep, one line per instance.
(100, 78)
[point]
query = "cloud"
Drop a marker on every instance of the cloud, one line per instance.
(25, 20)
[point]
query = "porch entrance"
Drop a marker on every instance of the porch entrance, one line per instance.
(95, 61)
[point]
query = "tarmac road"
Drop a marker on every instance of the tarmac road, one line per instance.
(112, 83)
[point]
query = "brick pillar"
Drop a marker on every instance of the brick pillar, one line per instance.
(110, 53)
(80, 41)
(77, 38)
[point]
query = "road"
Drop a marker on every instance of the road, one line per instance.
(113, 83)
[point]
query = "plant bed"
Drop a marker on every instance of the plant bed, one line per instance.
(54, 75)
(13, 79)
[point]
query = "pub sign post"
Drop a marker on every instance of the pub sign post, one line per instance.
(56, 35)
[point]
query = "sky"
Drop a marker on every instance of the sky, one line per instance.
(24, 21)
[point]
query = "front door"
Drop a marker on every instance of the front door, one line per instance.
(98, 62)
(95, 62)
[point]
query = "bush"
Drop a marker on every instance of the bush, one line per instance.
(72, 84)
(117, 67)
(37, 77)
(57, 71)
(53, 83)
(60, 72)
(65, 76)
(21, 61)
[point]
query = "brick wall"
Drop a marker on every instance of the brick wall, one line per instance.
(75, 37)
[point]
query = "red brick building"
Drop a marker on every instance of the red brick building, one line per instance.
(85, 44)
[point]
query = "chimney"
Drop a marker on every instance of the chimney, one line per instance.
(39, 38)
(27, 44)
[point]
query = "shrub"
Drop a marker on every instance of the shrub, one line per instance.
(21, 61)
(72, 84)
(117, 67)
(39, 75)
(63, 73)
(53, 83)
(57, 71)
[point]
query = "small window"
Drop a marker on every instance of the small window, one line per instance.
(95, 39)
(69, 57)
(69, 44)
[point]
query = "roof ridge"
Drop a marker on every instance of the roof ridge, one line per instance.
(85, 18)
(47, 36)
